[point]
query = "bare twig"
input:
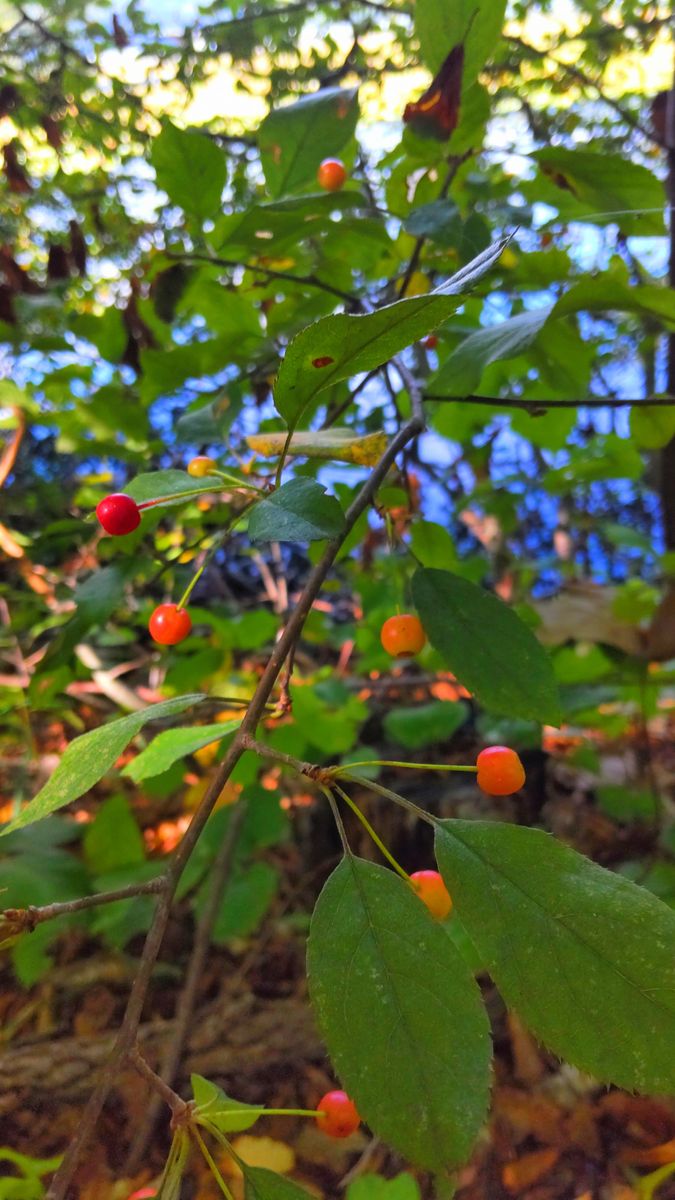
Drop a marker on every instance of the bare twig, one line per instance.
(538, 407)
(127, 1034)
(268, 273)
(219, 876)
(178, 1106)
(25, 920)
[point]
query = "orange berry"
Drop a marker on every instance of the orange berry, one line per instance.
(432, 891)
(200, 466)
(500, 771)
(169, 624)
(402, 635)
(331, 175)
(341, 1118)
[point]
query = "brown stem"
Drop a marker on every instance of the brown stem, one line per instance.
(538, 407)
(268, 273)
(127, 1033)
(26, 919)
(177, 1105)
(219, 876)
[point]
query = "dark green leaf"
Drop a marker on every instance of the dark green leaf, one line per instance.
(155, 485)
(490, 650)
(610, 187)
(89, 757)
(261, 1184)
(394, 1001)
(582, 955)
(295, 138)
(360, 343)
(424, 724)
(476, 23)
(461, 372)
(299, 511)
(113, 840)
(190, 168)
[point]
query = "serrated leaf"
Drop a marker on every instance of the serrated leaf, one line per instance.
(173, 744)
(295, 138)
(89, 757)
(156, 485)
(583, 956)
(216, 1110)
(261, 1184)
(299, 511)
(190, 168)
(489, 649)
(353, 344)
(394, 1001)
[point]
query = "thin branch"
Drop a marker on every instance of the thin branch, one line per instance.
(25, 920)
(178, 1106)
(538, 407)
(219, 875)
(127, 1034)
(455, 163)
(311, 770)
(412, 387)
(267, 273)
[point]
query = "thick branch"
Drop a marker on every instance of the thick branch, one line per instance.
(127, 1033)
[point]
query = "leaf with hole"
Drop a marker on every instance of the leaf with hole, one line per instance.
(338, 346)
(486, 645)
(395, 1001)
(585, 957)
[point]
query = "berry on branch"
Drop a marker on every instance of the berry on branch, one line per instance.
(331, 175)
(431, 342)
(341, 1118)
(200, 466)
(402, 635)
(118, 514)
(432, 891)
(500, 771)
(169, 624)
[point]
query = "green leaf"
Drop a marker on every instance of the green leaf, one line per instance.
(611, 188)
(424, 724)
(90, 756)
(261, 1184)
(360, 343)
(477, 23)
(299, 511)
(432, 545)
(191, 169)
(374, 1187)
(490, 650)
(652, 427)
(113, 840)
(582, 955)
(216, 1110)
(624, 804)
(461, 372)
(155, 485)
(394, 1001)
(295, 138)
(246, 899)
(96, 598)
(173, 744)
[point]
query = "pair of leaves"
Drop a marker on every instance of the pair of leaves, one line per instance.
(89, 757)
(583, 955)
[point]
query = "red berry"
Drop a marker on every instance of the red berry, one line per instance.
(431, 342)
(331, 174)
(500, 771)
(402, 635)
(143, 1193)
(169, 624)
(341, 1117)
(118, 514)
(432, 891)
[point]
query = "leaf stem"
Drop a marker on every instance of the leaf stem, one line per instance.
(211, 1163)
(383, 791)
(375, 836)
(389, 762)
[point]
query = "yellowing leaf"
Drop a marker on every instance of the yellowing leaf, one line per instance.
(335, 445)
(260, 1152)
